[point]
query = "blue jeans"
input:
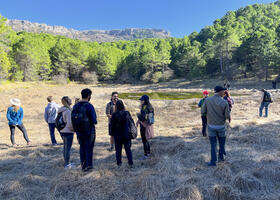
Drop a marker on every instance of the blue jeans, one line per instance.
(52, 129)
(264, 105)
(215, 134)
(67, 141)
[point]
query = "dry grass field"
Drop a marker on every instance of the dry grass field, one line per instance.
(177, 168)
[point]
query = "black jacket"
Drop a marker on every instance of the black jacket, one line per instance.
(119, 125)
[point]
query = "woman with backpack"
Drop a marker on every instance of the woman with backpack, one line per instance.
(14, 117)
(146, 121)
(229, 99)
(119, 125)
(67, 131)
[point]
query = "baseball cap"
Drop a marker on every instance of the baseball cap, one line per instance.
(205, 92)
(144, 98)
(219, 88)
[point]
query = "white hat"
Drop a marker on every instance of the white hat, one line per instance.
(15, 102)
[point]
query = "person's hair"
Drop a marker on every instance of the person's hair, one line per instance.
(113, 93)
(227, 93)
(50, 98)
(66, 101)
(77, 100)
(149, 106)
(86, 93)
(119, 105)
(16, 108)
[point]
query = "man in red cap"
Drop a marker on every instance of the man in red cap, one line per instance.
(203, 116)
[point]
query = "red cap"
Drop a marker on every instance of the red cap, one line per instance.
(205, 92)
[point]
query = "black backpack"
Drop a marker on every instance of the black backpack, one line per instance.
(79, 117)
(268, 97)
(59, 122)
(131, 128)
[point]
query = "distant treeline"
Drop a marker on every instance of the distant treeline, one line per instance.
(244, 43)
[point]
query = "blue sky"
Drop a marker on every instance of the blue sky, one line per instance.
(180, 17)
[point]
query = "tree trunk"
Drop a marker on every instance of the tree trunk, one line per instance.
(266, 73)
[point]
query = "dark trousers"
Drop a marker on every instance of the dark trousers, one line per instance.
(204, 125)
(127, 146)
(67, 144)
(86, 150)
(222, 152)
(52, 130)
(145, 142)
(22, 129)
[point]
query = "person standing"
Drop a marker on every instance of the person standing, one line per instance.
(15, 117)
(229, 100)
(67, 133)
(146, 121)
(274, 83)
(121, 136)
(203, 117)
(217, 111)
(84, 120)
(265, 102)
(50, 116)
(110, 109)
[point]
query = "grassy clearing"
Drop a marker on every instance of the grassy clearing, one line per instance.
(176, 169)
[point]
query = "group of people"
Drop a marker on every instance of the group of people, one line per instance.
(81, 119)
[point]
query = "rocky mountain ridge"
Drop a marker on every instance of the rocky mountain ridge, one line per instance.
(89, 35)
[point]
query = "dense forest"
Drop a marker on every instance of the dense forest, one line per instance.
(242, 44)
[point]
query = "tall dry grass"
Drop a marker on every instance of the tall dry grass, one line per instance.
(176, 169)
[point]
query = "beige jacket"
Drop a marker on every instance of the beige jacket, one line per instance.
(66, 114)
(216, 109)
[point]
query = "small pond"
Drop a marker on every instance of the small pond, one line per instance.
(168, 95)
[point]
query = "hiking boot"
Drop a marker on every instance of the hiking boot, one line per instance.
(210, 164)
(29, 143)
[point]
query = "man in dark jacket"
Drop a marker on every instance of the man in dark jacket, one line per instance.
(86, 136)
(110, 109)
(265, 101)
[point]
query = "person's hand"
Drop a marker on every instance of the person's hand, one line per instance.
(137, 123)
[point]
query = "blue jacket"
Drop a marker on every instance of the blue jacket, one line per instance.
(14, 118)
